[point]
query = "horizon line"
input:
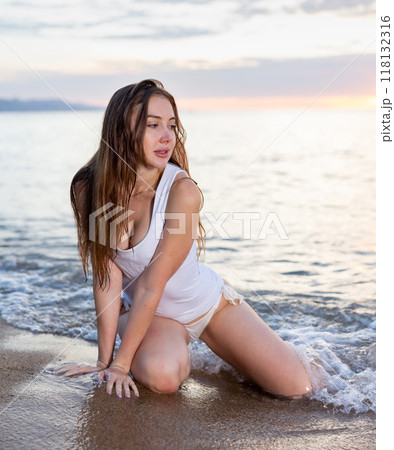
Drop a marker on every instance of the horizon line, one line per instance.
(239, 103)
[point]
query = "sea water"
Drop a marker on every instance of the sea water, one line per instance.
(289, 214)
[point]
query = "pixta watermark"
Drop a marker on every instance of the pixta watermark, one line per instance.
(247, 225)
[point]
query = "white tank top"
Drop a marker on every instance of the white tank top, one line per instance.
(193, 289)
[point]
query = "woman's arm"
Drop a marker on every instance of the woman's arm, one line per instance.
(173, 248)
(107, 302)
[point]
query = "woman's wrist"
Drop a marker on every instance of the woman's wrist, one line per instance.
(102, 363)
(118, 366)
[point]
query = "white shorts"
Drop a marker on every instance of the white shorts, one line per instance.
(196, 328)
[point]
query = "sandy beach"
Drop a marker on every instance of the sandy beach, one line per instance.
(39, 409)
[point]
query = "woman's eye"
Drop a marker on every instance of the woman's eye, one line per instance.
(156, 125)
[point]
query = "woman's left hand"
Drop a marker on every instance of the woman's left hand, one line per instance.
(69, 369)
(118, 377)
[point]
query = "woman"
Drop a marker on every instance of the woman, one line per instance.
(147, 283)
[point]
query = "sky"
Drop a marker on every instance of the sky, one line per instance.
(208, 53)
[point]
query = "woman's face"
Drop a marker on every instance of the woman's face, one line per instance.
(159, 139)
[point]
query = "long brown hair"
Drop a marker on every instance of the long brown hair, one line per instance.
(109, 177)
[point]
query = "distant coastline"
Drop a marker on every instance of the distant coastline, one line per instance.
(15, 104)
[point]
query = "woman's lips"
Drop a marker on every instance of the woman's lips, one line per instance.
(162, 153)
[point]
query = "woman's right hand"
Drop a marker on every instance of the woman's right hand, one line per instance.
(73, 368)
(117, 377)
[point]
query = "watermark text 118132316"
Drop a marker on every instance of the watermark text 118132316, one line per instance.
(385, 76)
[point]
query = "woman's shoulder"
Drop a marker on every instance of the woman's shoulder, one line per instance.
(185, 192)
(180, 177)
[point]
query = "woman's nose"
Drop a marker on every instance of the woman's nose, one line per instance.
(166, 135)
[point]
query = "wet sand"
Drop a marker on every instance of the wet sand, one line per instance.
(39, 409)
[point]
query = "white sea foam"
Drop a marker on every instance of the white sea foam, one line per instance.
(341, 366)
(335, 385)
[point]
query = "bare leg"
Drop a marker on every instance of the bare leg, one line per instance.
(239, 336)
(162, 361)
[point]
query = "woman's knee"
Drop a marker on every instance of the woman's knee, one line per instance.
(164, 376)
(297, 389)
(295, 385)
(167, 376)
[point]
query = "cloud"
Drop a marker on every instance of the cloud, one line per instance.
(245, 9)
(263, 77)
(163, 33)
(358, 7)
(280, 78)
(157, 19)
(33, 25)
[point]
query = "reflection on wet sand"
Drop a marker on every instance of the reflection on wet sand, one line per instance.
(208, 411)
